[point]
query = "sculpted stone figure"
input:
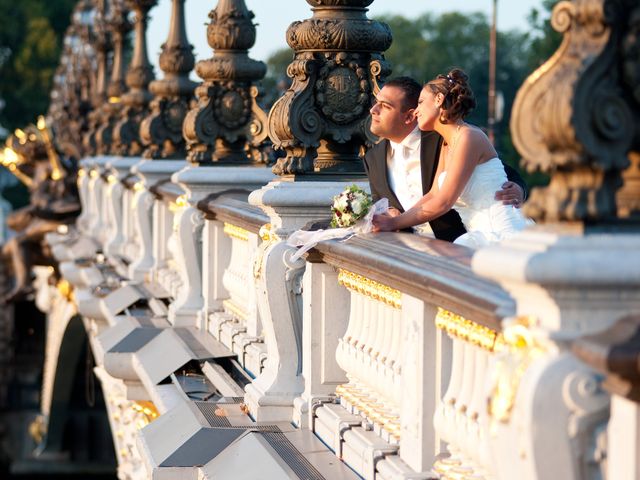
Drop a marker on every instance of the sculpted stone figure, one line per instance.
(53, 202)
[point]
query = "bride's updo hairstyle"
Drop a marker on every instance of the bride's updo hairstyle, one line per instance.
(459, 100)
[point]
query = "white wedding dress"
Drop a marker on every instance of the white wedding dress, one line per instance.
(486, 220)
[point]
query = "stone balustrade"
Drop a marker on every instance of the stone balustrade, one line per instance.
(403, 350)
(402, 357)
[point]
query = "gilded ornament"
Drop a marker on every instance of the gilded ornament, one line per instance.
(236, 232)
(466, 330)
(519, 348)
(370, 288)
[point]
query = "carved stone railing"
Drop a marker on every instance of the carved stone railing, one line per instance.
(416, 371)
(232, 231)
(407, 357)
(393, 351)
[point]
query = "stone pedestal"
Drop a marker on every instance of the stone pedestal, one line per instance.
(575, 284)
(567, 284)
(150, 173)
(290, 206)
(119, 168)
(198, 183)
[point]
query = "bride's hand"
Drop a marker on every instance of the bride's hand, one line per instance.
(383, 223)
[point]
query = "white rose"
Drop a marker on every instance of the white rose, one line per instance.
(357, 206)
(340, 203)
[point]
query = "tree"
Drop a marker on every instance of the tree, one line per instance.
(433, 44)
(31, 33)
(276, 79)
(543, 39)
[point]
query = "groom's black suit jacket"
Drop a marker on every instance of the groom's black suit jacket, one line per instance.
(446, 227)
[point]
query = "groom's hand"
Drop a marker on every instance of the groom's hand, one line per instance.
(393, 212)
(511, 194)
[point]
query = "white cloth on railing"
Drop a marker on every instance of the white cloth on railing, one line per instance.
(306, 240)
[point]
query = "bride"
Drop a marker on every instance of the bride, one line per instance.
(469, 170)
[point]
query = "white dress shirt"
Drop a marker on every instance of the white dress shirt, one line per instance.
(403, 166)
(405, 174)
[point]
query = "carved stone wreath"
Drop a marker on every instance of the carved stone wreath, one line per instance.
(173, 114)
(342, 90)
(232, 106)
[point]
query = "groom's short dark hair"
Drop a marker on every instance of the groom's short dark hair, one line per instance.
(411, 90)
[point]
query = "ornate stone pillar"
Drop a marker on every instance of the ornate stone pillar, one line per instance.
(118, 26)
(322, 121)
(161, 130)
(136, 100)
(576, 273)
(227, 126)
(586, 106)
(102, 46)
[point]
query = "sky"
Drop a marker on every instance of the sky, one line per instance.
(274, 17)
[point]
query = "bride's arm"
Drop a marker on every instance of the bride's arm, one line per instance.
(439, 201)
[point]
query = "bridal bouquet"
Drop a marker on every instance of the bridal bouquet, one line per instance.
(352, 212)
(350, 206)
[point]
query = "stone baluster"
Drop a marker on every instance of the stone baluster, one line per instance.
(135, 102)
(141, 209)
(162, 252)
(240, 309)
(95, 189)
(227, 126)
(84, 191)
(575, 274)
(477, 417)
(161, 130)
(457, 419)
(143, 218)
(215, 265)
(127, 222)
(117, 205)
(161, 232)
(373, 368)
(118, 25)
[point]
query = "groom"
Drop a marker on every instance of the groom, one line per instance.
(402, 165)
